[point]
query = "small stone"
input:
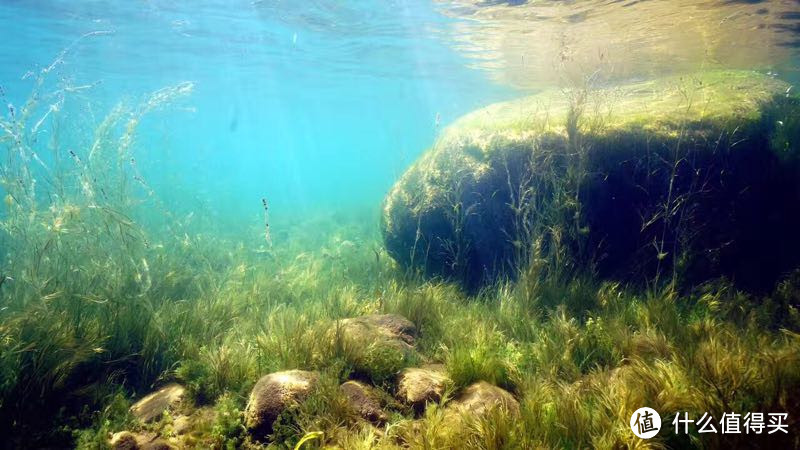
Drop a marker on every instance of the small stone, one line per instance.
(181, 425)
(152, 406)
(274, 393)
(385, 327)
(381, 344)
(124, 440)
(157, 444)
(480, 397)
(417, 386)
(365, 400)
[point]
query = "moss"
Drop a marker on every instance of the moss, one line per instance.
(657, 105)
(620, 180)
(382, 363)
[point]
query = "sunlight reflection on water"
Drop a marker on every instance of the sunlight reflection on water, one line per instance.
(534, 44)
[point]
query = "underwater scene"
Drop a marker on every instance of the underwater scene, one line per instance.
(416, 224)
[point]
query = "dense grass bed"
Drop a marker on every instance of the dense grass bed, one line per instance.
(580, 355)
(100, 303)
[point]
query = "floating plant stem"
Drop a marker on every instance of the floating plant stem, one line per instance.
(267, 234)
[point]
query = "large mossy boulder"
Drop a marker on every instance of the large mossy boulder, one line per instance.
(694, 176)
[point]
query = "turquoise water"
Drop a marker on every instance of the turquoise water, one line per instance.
(134, 255)
(324, 104)
(313, 106)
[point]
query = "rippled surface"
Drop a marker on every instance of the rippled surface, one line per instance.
(296, 99)
(539, 43)
(519, 43)
(292, 99)
(322, 40)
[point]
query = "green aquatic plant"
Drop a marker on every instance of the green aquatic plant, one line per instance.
(481, 354)
(103, 306)
(577, 365)
(310, 436)
(114, 415)
(79, 261)
(228, 430)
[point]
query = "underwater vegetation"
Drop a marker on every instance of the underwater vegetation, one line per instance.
(692, 175)
(117, 331)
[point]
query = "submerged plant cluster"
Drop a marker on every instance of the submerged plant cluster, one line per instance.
(683, 178)
(100, 304)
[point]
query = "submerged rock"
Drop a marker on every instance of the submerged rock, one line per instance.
(125, 440)
(700, 173)
(158, 444)
(152, 406)
(479, 398)
(391, 329)
(381, 344)
(416, 386)
(478, 401)
(365, 400)
(181, 425)
(273, 394)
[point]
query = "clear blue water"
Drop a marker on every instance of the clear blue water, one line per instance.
(322, 104)
(319, 107)
(310, 104)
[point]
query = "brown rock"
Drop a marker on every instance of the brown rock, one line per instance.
(476, 402)
(380, 344)
(124, 440)
(157, 444)
(272, 394)
(181, 425)
(385, 327)
(152, 406)
(480, 397)
(417, 386)
(365, 400)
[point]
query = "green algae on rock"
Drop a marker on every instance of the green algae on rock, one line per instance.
(272, 394)
(418, 386)
(380, 344)
(694, 176)
(364, 400)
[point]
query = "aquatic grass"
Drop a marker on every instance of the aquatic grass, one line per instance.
(325, 410)
(228, 430)
(113, 416)
(481, 354)
(624, 340)
(217, 369)
(103, 307)
(427, 433)
(427, 304)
